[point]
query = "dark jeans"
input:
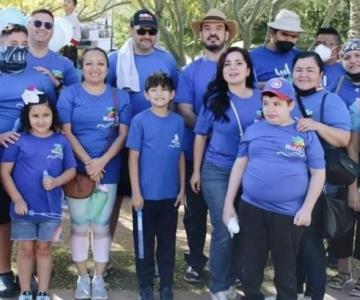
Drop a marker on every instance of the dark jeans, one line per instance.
(160, 222)
(195, 219)
(265, 232)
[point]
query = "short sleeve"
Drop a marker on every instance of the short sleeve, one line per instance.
(204, 122)
(173, 71)
(65, 105)
(314, 152)
(125, 111)
(71, 75)
(336, 113)
(244, 144)
(185, 88)
(10, 153)
(355, 116)
(69, 158)
(135, 136)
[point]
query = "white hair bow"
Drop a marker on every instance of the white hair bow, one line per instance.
(31, 95)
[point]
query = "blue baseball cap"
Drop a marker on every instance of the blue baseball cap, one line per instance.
(281, 88)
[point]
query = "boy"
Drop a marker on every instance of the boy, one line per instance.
(282, 173)
(157, 176)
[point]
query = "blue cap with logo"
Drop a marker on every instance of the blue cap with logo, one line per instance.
(281, 88)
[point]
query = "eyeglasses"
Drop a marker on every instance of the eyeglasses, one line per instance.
(143, 31)
(47, 25)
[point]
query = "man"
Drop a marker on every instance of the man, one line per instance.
(275, 58)
(59, 69)
(333, 70)
(214, 31)
(139, 57)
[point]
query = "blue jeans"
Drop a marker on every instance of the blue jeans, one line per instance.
(214, 182)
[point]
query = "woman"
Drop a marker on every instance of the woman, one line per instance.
(333, 130)
(231, 104)
(15, 77)
(348, 89)
(90, 112)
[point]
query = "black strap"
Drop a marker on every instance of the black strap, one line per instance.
(303, 110)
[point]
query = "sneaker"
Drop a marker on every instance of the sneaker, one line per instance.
(27, 295)
(146, 294)
(355, 291)
(8, 286)
(98, 291)
(82, 290)
(222, 295)
(166, 293)
(339, 280)
(42, 296)
(191, 275)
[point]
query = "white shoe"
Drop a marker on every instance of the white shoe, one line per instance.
(222, 295)
(82, 290)
(98, 289)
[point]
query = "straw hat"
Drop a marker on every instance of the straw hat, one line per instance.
(214, 16)
(286, 20)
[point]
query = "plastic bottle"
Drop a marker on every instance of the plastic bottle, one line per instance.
(50, 195)
(139, 216)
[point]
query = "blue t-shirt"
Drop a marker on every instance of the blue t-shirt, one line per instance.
(269, 63)
(56, 63)
(92, 118)
(12, 87)
(349, 91)
(192, 86)
(276, 177)
(156, 61)
(355, 116)
(159, 141)
(332, 74)
(225, 136)
(335, 112)
(32, 156)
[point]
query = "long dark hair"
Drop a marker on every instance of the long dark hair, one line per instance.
(216, 97)
(56, 125)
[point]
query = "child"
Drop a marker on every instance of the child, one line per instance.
(157, 175)
(282, 174)
(33, 169)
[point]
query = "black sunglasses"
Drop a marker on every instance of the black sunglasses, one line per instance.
(47, 25)
(143, 31)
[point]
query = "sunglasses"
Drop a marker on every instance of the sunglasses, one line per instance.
(47, 25)
(143, 31)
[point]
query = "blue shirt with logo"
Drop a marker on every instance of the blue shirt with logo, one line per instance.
(276, 177)
(270, 63)
(332, 75)
(32, 156)
(225, 136)
(92, 119)
(146, 65)
(159, 141)
(349, 91)
(192, 86)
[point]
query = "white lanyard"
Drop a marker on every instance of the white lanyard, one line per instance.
(237, 117)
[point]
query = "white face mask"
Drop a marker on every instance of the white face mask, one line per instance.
(324, 52)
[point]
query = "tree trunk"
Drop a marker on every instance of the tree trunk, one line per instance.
(354, 30)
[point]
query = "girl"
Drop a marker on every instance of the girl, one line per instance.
(273, 164)
(36, 199)
(230, 105)
(91, 111)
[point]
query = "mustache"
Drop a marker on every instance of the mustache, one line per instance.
(213, 36)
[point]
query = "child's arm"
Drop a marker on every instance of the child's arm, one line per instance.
(199, 148)
(236, 175)
(10, 187)
(50, 183)
(181, 196)
(137, 199)
(317, 180)
(97, 165)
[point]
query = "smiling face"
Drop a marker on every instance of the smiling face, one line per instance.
(213, 36)
(94, 67)
(39, 29)
(235, 70)
(351, 61)
(159, 96)
(307, 74)
(40, 119)
(144, 41)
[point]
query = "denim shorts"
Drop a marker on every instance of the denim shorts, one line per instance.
(45, 231)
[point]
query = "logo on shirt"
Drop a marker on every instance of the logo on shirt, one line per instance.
(258, 116)
(110, 117)
(175, 142)
(56, 152)
(295, 148)
(285, 72)
(309, 112)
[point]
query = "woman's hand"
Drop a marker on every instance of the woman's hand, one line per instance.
(47, 72)
(9, 137)
(137, 201)
(306, 124)
(95, 166)
(21, 207)
(228, 213)
(195, 182)
(302, 217)
(354, 199)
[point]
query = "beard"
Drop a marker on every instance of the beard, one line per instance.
(214, 47)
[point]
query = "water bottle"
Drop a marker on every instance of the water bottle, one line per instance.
(50, 195)
(139, 217)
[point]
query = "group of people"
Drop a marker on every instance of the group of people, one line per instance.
(235, 133)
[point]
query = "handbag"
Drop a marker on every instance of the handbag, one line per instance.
(81, 186)
(338, 216)
(340, 168)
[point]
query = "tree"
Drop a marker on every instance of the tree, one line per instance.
(354, 30)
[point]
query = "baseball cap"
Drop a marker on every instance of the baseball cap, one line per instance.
(281, 88)
(144, 18)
